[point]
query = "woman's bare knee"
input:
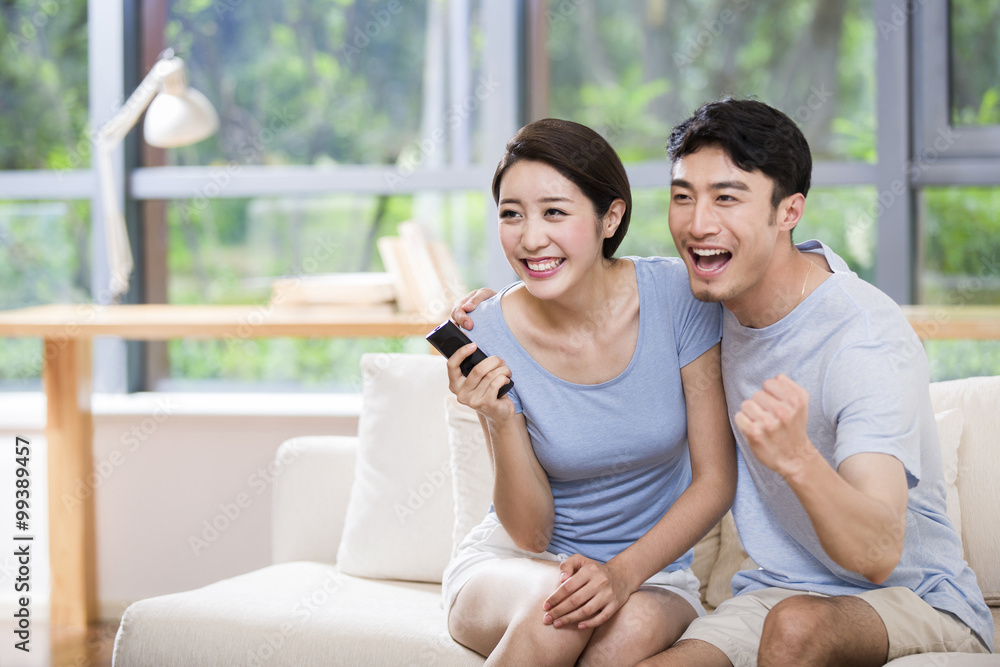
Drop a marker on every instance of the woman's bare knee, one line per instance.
(650, 622)
(498, 613)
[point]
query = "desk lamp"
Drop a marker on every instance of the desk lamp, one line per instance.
(177, 116)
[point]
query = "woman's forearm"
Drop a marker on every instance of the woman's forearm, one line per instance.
(522, 497)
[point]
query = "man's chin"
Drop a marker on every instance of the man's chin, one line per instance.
(704, 292)
(706, 296)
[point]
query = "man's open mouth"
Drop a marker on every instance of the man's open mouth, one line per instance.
(709, 260)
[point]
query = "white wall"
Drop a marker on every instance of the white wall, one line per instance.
(164, 465)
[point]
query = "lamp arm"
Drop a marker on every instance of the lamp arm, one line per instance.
(116, 234)
(114, 131)
(111, 134)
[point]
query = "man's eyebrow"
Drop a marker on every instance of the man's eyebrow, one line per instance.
(730, 185)
(721, 185)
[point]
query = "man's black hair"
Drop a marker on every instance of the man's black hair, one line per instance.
(755, 136)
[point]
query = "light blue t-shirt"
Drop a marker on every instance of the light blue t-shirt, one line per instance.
(851, 348)
(616, 453)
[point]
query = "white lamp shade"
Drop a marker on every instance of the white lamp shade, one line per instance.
(179, 120)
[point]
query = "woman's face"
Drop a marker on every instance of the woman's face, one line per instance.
(549, 231)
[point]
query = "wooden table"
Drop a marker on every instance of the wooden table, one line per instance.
(67, 331)
(66, 376)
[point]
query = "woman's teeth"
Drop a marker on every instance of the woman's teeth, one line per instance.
(547, 265)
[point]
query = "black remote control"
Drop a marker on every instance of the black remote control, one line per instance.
(447, 338)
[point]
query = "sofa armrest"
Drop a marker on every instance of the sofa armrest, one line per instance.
(312, 486)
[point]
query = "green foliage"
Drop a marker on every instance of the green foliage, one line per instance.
(954, 359)
(40, 262)
(43, 84)
(296, 363)
(639, 72)
(40, 253)
(962, 247)
(303, 83)
(843, 219)
(975, 52)
(648, 231)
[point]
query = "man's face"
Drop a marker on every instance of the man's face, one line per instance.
(723, 224)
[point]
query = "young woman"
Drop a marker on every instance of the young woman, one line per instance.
(613, 453)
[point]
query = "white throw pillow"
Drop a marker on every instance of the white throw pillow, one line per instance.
(978, 472)
(949, 425)
(472, 474)
(400, 516)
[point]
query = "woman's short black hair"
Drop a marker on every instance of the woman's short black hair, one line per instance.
(580, 154)
(755, 136)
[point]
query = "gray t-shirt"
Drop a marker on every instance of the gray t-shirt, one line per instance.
(851, 348)
(616, 453)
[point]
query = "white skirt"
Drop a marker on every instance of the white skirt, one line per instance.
(489, 542)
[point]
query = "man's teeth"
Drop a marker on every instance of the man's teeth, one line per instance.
(547, 265)
(708, 252)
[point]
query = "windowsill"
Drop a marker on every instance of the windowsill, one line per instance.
(26, 410)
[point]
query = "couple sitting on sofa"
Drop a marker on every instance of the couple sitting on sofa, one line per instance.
(613, 454)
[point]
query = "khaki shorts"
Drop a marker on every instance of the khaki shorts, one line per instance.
(912, 624)
(489, 542)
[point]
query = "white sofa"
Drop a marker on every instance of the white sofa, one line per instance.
(364, 526)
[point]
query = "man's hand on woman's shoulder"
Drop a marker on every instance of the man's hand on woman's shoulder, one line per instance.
(467, 304)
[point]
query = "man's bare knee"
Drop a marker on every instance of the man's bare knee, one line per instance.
(822, 631)
(792, 629)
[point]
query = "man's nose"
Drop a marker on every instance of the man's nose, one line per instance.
(704, 220)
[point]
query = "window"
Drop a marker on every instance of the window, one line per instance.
(327, 112)
(956, 170)
(43, 102)
(633, 70)
(975, 54)
(342, 118)
(43, 85)
(40, 263)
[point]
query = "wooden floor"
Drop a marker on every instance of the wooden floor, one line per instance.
(58, 647)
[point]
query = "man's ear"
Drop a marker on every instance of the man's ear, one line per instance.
(613, 218)
(790, 211)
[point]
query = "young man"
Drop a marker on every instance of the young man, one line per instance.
(840, 498)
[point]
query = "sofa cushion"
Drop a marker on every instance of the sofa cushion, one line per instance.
(732, 558)
(949, 426)
(400, 516)
(706, 554)
(472, 474)
(978, 472)
(294, 614)
(310, 497)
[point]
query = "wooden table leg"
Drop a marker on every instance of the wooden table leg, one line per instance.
(69, 432)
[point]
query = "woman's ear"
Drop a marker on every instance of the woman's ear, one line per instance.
(613, 218)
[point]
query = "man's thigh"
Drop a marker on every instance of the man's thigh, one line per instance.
(735, 626)
(914, 626)
(911, 624)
